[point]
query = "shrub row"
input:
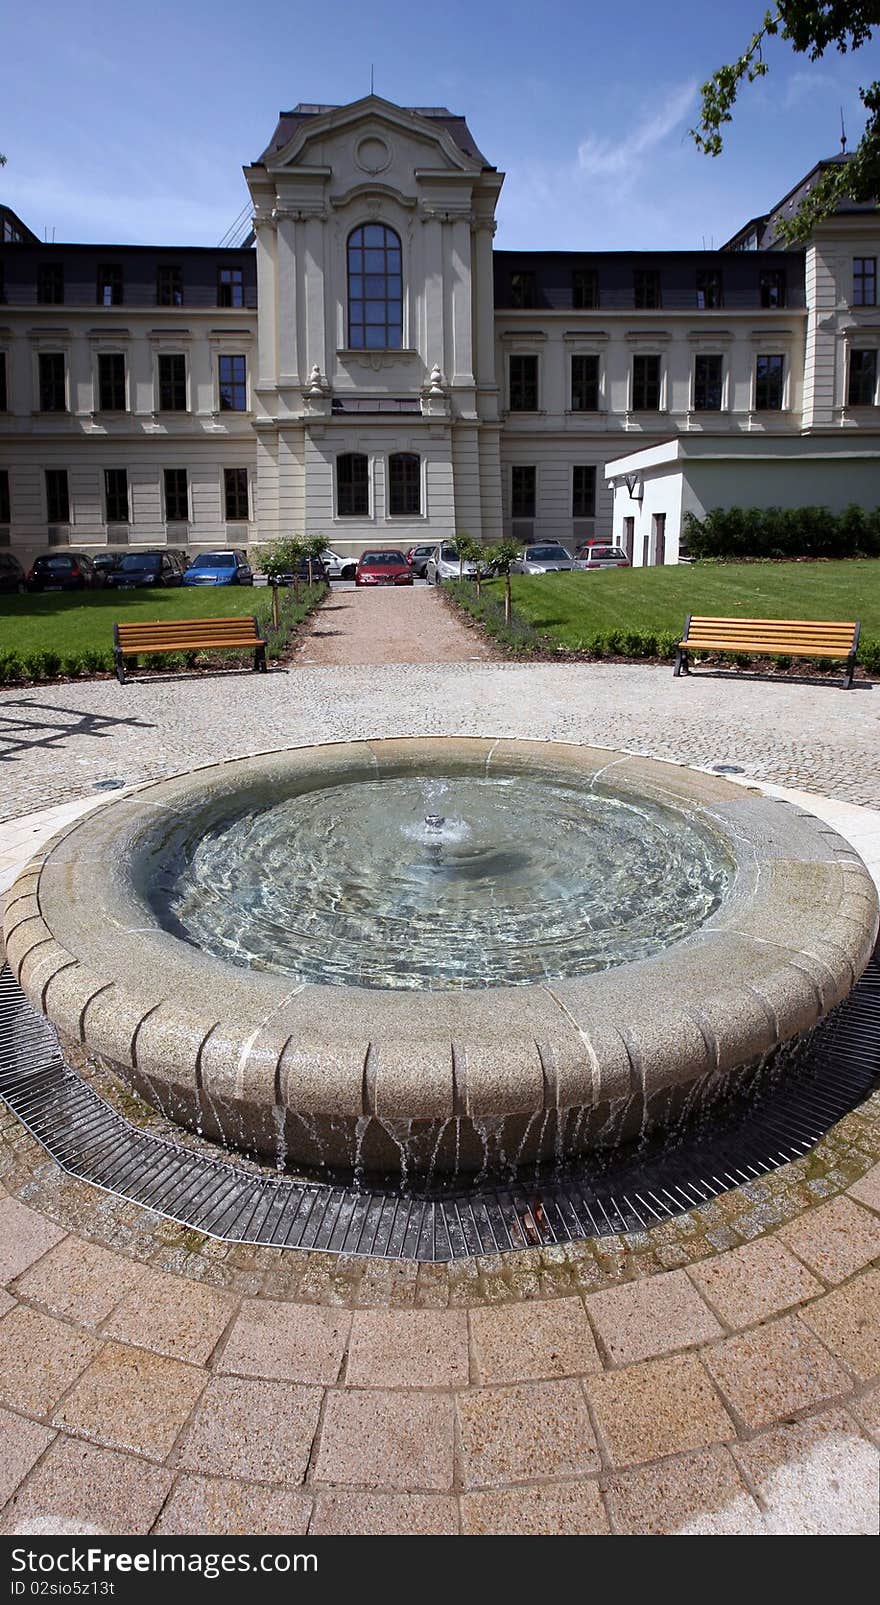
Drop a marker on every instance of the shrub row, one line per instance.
(730, 533)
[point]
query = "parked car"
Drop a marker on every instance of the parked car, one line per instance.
(146, 568)
(219, 568)
(338, 568)
(106, 562)
(64, 571)
(444, 563)
(547, 559)
(11, 574)
(595, 556)
(383, 568)
(417, 558)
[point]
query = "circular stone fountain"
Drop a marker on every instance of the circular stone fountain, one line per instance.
(437, 955)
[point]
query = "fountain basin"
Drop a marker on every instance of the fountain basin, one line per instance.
(454, 1078)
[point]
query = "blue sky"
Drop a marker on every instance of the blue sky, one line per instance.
(132, 124)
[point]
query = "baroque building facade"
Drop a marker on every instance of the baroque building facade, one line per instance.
(367, 367)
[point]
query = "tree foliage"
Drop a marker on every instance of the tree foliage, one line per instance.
(811, 27)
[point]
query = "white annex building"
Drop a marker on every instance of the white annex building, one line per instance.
(367, 367)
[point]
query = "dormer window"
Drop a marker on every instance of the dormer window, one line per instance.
(375, 289)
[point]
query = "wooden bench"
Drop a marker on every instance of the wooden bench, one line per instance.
(795, 638)
(188, 635)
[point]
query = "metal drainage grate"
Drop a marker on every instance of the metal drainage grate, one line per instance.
(623, 1192)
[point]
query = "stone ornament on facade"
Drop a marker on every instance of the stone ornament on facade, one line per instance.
(372, 154)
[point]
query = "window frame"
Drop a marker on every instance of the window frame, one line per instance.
(779, 278)
(410, 487)
(647, 282)
(173, 500)
(713, 279)
(353, 486)
(55, 271)
(236, 387)
(44, 382)
(642, 357)
(169, 284)
(110, 498)
(516, 507)
(523, 395)
(358, 244)
(765, 380)
(584, 277)
(585, 357)
(110, 276)
(235, 495)
(861, 278)
(589, 469)
(703, 357)
(862, 351)
(55, 481)
(169, 386)
(231, 285)
(115, 405)
(523, 289)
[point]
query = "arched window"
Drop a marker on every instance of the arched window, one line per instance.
(404, 484)
(352, 485)
(375, 288)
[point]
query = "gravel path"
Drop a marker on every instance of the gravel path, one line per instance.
(389, 626)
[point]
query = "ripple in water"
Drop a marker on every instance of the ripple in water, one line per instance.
(424, 883)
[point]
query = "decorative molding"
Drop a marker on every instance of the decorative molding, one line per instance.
(372, 189)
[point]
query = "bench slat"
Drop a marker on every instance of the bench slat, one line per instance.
(155, 636)
(801, 638)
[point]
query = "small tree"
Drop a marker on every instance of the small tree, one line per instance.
(504, 555)
(481, 556)
(277, 561)
(312, 549)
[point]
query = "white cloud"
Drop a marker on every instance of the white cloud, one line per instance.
(606, 157)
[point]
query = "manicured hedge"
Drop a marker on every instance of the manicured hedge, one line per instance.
(734, 533)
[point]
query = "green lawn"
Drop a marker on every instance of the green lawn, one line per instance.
(83, 621)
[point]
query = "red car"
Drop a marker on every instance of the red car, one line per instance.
(383, 568)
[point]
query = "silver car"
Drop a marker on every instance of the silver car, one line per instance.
(596, 556)
(339, 568)
(445, 564)
(542, 560)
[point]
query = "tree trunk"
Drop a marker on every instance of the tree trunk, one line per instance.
(507, 598)
(310, 573)
(478, 580)
(276, 616)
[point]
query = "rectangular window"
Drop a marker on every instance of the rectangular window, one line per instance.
(111, 381)
(176, 497)
(583, 491)
(116, 495)
(352, 486)
(646, 384)
(523, 289)
(57, 499)
(109, 288)
(4, 395)
(51, 371)
(769, 374)
(169, 285)
(233, 384)
(708, 383)
(230, 287)
(404, 485)
(584, 288)
(709, 289)
(50, 284)
(862, 389)
(646, 288)
(864, 281)
(773, 287)
(523, 384)
(585, 384)
(172, 383)
(235, 491)
(523, 492)
(5, 510)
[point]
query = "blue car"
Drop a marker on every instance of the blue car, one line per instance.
(220, 568)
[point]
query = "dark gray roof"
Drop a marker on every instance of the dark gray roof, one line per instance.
(289, 122)
(766, 226)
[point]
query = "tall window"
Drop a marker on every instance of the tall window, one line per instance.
(169, 285)
(109, 287)
(769, 375)
(235, 491)
(584, 288)
(352, 485)
(375, 288)
(708, 383)
(230, 287)
(585, 384)
(646, 287)
(583, 491)
(233, 384)
(116, 495)
(523, 288)
(862, 388)
(172, 383)
(646, 384)
(523, 491)
(709, 289)
(176, 496)
(50, 284)
(523, 384)
(111, 381)
(57, 498)
(404, 484)
(864, 281)
(4, 394)
(773, 287)
(51, 370)
(5, 509)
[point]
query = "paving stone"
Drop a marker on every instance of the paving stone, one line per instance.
(848, 1322)
(521, 1434)
(291, 1342)
(171, 1316)
(7, 1302)
(867, 1189)
(866, 1409)
(25, 1236)
(819, 1476)
(408, 1349)
(775, 1371)
(39, 1359)
(218, 1506)
(259, 1431)
(659, 1407)
(835, 1239)
(651, 1316)
(21, 1444)
(541, 1338)
(399, 1515)
(81, 1488)
(696, 1493)
(752, 1282)
(375, 1439)
(543, 1509)
(80, 1280)
(132, 1399)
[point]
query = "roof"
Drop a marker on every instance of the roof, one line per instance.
(290, 122)
(766, 226)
